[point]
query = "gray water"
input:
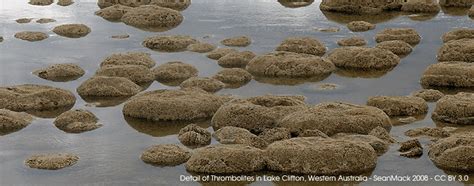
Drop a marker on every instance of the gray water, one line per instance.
(110, 154)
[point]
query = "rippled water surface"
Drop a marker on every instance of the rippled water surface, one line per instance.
(110, 155)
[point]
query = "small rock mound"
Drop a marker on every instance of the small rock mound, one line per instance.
(220, 52)
(382, 134)
(400, 48)
(72, 30)
(236, 135)
(236, 59)
(30, 97)
(411, 149)
(305, 45)
(12, 121)
(233, 76)
(65, 2)
(421, 7)
(275, 134)
(130, 3)
(290, 65)
(353, 41)
(449, 74)
(454, 153)
(295, 3)
(60, 72)
(429, 95)
(24, 20)
(457, 34)
(101, 86)
(113, 13)
(151, 17)
(226, 159)
(358, 7)
(201, 47)
(238, 41)
(123, 36)
(31, 36)
(45, 20)
(256, 114)
(204, 83)
(165, 155)
(175, 5)
(427, 131)
(310, 155)
(174, 43)
(336, 117)
(408, 35)
(41, 2)
(457, 50)
(455, 109)
(363, 58)
(399, 105)
(174, 105)
(129, 58)
(51, 161)
(175, 71)
(360, 26)
(194, 135)
(77, 121)
(377, 144)
(136, 73)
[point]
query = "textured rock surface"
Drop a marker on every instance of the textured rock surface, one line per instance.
(60, 72)
(41, 2)
(457, 50)
(220, 52)
(65, 2)
(175, 5)
(129, 58)
(454, 153)
(363, 58)
(174, 71)
(51, 161)
(102, 86)
(449, 74)
(194, 135)
(359, 7)
(77, 121)
(233, 76)
(352, 41)
(113, 13)
(165, 155)
(173, 43)
(238, 41)
(204, 83)
(305, 45)
(136, 73)
(31, 36)
(427, 131)
(382, 134)
(421, 7)
(151, 17)
(275, 134)
(11, 121)
(460, 33)
(72, 30)
(398, 47)
(399, 105)
(455, 109)
(201, 47)
(429, 95)
(236, 59)
(236, 135)
(45, 20)
(377, 144)
(408, 35)
(360, 26)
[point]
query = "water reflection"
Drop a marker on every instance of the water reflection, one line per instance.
(357, 73)
(374, 19)
(162, 128)
(289, 81)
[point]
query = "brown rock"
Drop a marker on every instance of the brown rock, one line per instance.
(398, 47)
(204, 83)
(72, 30)
(174, 43)
(165, 155)
(154, 18)
(456, 3)
(360, 26)
(60, 72)
(421, 7)
(237, 41)
(377, 144)
(129, 58)
(77, 121)
(312, 133)
(305, 45)
(236, 59)
(353, 41)
(41, 2)
(102, 86)
(174, 71)
(201, 47)
(408, 35)
(382, 134)
(113, 13)
(236, 135)
(136, 73)
(455, 109)
(449, 74)
(460, 33)
(65, 2)
(429, 95)
(45, 20)
(175, 5)
(363, 58)
(31, 36)
(24, 20)
(457, 50)
(275, 134)
(410, 144)
(194, 135)
(413, 153)
(51, 161)
(233, 76)
(220, 52)
(427, 131)
(454, 153)
(13, 121)
(399, 105)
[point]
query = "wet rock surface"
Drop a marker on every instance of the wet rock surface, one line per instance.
(174, 71)
(304, 45)
(131, 3)
(236, 135)
(398, 47)
(457, 50)
(113, 13)
(165, 155)
(204, 83)
(45, 20)
(102, 86)
(65, 2)
(136, 73)
(237, 41)
(236, 59)
(201, 47)
(77, 121)
(449, 74)
(455, 109)
(23, 20)
(11, 121)
(233, 76)
(31, 36)
(41, 2)
(355, 7)
(410, 144)
(409, 35)
(295, 3)
(124, 36)
(72, 30)
(399, 105)
(363, 58)
(352, 41)
(174, 105)
(427, 131)
(360, 26)
(319, 156)
(152, 18)
(429, 95)
(60, 72)
(220, 52)
(382, 134)
(129, 58)
(173, 43)
(51, 161)
(457, 34)
(194, 135)
(454, 153)
(377, 144)
(226, 159)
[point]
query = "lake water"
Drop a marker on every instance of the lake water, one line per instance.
(110, 154)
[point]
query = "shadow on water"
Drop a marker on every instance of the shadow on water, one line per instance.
(289, 81)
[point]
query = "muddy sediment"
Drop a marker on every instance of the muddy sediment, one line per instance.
(237, 135)
(236, 59)
(60, 72)
(449, 74)
(165, 155)
(31, 36)
(11, 121)
(77, 121)
(172, 43)
(194, 135)
(408, 35)
(129, 58)
(399, 105)
(455, 109)
(72, 30)
(102, 86)
(51, 161)
(205, 83)
(304, 45)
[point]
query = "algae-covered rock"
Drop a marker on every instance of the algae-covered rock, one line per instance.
(457, 50)
(220, 52)
(136, 73)
(360, 26)
(72, 30)
(129, 58)
(175, 5)
(454, 153)
(456, 34)
(151, 17)
(429, 95)
(41, 2)
(398, 47)
(174, 71)
(305, 45)
(352, 41)
(65, 2)
(237, 41)
(204, 83)
(77, 121)
(377, 144)
(165, 155)
(60, 72)
(194, 135)
(427, 131)
(173, 43)
(408, 35)
(226, 159)
(233, 76)
(399, 105)
(236, 59)
(236, 135)
(363, 58)
(11, 121)
(449, 74)
(336, 117)
(113, 13)
(31, 36)
(102, 86)
(174, 105)
(51, 161)
(318, 156)
(201, 47)
(455, 109)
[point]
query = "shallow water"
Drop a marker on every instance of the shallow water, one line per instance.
(110, 154)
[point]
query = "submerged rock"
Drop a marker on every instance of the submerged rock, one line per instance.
(360, 26)
(129, 58)
(427, 131)
(220, 52)
(65, 2)
(398, 47)
(226, 159)
(305, 45)
(429, 95)
(175, 71)
(165, 155)
(399, 105)
(410, 144)
(382, 134)
(408, 35)
(31, 36)
(413, 153)
(336, 117)
(236, 135)
(151, 17)
(460, 33)
(113, 13)
(363, 58)
(275, 134)
(236, 59)
(60, 72)
(407, 120)
(194, 135)
(319, 156)
(455, 109)
(172, 43)
(457, 50)
(377, 144)
(41, 2)
(102, 86)
(454, 153)
(238, 41)
(77, 121)
(30, 97)
(12, 121)
(175, 5)
(136, 73)
(51, 161)
(256, 114)
(449, 74)
(45, 20)
(352, 41)
(201, 47)
(123, 36)
(233, 76)
(24, 20)
(421, 7)
(204, 83)
(72, 30)
(290, 65)
(174, 105)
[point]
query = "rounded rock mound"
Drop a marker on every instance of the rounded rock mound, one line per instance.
(113, 13)
(408, 35)
(102, 86)
(399, 105)
(41, 2)
(136, 73)
(45, 20)
(220, 52)
(304, 45)
(236, 135)
(129, 3)
(129, 58)
(429, 95)
(175, 71)
(398, 47)
(457, 50)
(454, 153)
(238, 41)
(31, 36)
(154, 18)
(174, 105)
(72, 30)
(456, 3)
(421, 7)
(236, 59)
(60, 72)
(174, 43)
(295, 3)
(226, 159)
(275, 134)
(457, 34)
(23, 20)
(77, 121)
(377, 144)
(352, 41)
(455, 109)
(233, 76)
(65, 2)
(361, 7)
(165, 155)
(449, 74)
(175, 5)
(13, 121)
(204, 83)
(194, 135)
(360, 26)
(318, 156)
(201, 47)
(51, 161)
(363, 58)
